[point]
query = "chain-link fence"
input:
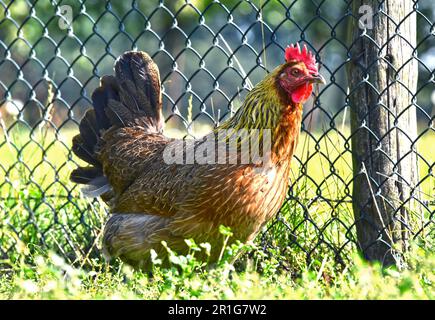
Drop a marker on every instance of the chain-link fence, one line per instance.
(210, 54)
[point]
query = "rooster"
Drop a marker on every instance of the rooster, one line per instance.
(151, 200)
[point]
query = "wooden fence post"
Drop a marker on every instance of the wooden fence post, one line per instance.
(382, 79)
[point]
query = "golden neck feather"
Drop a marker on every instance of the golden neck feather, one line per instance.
(267, 107)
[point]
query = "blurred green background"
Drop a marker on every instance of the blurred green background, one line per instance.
(196, 44)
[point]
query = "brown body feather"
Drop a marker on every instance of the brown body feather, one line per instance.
(153, 201)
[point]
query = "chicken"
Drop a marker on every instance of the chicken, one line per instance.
(153, 199)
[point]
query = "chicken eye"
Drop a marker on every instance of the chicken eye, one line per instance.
(295, 72)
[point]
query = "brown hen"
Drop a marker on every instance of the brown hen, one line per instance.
(152, 199)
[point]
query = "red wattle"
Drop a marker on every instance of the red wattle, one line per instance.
(302, 93)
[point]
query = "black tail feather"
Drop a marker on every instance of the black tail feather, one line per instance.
(108, 90)
(89, 129)
(85, 175)
(140, 95)
(130, 98)
(83, 151)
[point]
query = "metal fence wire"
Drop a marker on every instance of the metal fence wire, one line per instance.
(210, 53)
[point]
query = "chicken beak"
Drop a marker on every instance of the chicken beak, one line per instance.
(317, 78)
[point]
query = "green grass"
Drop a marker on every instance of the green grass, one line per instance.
(50, 277)
(43, 217)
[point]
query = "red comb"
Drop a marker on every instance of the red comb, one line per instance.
(294, 53)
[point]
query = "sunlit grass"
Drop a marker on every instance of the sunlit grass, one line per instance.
(50, 277)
